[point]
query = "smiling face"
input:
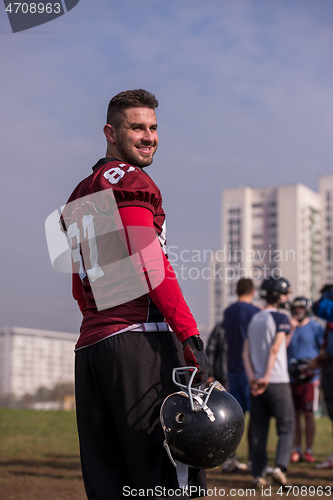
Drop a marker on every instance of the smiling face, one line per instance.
(133, 139)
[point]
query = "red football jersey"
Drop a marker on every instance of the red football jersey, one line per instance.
(113, 287)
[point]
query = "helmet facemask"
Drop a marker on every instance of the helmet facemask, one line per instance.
(202, 428)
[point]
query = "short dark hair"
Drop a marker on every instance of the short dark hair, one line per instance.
(244, 287)
(137, 98)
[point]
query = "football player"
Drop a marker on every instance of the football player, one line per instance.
(304, 345)
(136, 324)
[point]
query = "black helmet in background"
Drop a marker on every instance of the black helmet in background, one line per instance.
(301, 307)
(300, 370)
(272, 288)
(202, 428)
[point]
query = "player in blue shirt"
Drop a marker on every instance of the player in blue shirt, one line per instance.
(304, 343)
(236, 320)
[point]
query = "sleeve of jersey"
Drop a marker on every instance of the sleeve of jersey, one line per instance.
(167, 295)
(282, 323)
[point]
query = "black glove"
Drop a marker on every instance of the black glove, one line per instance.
(195, 355)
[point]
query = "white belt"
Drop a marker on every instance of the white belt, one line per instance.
(154, 327)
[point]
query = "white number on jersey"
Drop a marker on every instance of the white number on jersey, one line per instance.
(73, 231)
(113, 175)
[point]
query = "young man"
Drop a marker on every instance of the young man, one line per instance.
(236, 321)
(304, 343)
(265, 361)
(136, 325)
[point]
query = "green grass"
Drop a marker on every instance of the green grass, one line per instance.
(39, 456)
(32, 434)
(39, 459)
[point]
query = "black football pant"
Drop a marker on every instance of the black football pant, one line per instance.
(275, 402)
(120, 385)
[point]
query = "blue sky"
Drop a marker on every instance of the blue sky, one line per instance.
(246, 98)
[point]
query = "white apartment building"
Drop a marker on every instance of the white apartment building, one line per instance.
(274, 231)
(326, 192)
(30, 359)
(215, 290)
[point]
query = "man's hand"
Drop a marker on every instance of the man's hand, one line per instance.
(294, 322)
(319, 361)
(195, 355)
(259, 386)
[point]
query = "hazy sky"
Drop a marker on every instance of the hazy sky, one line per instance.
(246, 98)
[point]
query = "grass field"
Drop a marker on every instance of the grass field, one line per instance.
(39, 460)
(238, 485)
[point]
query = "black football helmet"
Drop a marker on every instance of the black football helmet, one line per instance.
(301, 303)
(299, 370)
(272, 288)
(202, 428)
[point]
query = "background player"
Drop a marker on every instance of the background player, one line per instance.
(265, 361)
(236, 320)
(304, 343)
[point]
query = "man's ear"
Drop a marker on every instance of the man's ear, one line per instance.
(110, 133)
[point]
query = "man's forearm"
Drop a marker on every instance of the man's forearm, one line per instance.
(247, 362)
